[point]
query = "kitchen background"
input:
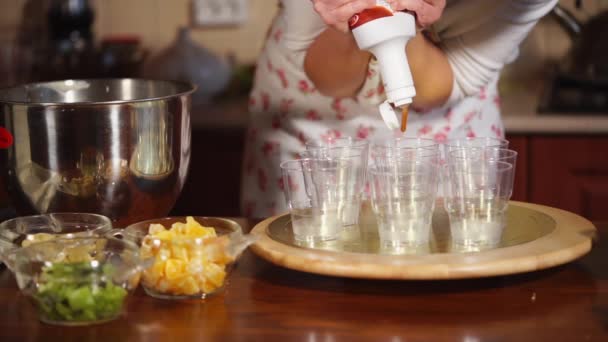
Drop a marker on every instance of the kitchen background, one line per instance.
(563, 146)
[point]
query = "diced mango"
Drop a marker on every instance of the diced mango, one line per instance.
(165, 235)
(156, 228)
(215, 274)
(152, 275)
(183, 267)
(35, 238)
(207, 287)
(179, 251)
(189, 286)
(175, 268)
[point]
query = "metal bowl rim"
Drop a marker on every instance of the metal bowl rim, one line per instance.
(190, 88)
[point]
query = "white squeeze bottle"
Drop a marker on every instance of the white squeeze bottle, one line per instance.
(385, 33)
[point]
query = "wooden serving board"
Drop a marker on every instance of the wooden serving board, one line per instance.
(536, 237)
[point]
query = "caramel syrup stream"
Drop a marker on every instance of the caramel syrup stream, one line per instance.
(404, 112)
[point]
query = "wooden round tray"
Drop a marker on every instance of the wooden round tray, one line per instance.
(536, 237)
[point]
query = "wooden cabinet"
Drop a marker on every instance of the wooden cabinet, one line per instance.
(570, 173)
(214, 178)
(567, 172)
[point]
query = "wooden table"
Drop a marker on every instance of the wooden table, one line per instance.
(263, 302)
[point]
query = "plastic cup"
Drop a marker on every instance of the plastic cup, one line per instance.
(403, 148)
(351, 155)
(403, 200)
(478, 142)
(483, 154)
(315, 193)
(476, 197)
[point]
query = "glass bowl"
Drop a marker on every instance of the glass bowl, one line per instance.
(77, 281)
(26, 230)
(189, 261)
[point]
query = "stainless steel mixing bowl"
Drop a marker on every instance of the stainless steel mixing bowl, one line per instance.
(116, 147)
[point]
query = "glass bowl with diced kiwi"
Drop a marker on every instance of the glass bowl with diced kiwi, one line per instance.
(77, 281)
(27, 230)
(191, 256)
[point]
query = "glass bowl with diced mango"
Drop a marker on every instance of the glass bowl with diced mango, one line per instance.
(77, 281)
(192, 256)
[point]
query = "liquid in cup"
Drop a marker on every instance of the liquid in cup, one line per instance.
(403, 199)
(477, 194)
(313, 191)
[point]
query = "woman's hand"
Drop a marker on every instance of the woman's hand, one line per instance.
(427, 11)
(336, 13)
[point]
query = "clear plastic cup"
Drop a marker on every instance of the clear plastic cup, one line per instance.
(315, 193)
(478, 142)
(403, 200)
(476, 197)
(468, 143)
(352, 156)
(403, 148)
(483, 154)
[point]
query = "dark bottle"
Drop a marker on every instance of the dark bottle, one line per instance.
(70, 25)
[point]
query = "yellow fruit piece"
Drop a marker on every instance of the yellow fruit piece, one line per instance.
(145, 252)
(166, 235)
(215, 274)
(188, 286)
(35, 238)
(178, 228)
(175, 269)
(152, 275)
(163, 286)
(207, 287)
(156, 228)
(179, 252)
(78, 254)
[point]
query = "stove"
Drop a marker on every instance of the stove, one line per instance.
(569, 94)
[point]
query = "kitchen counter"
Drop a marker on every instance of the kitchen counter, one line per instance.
(520, 116)
(228, 114)
(263, 302)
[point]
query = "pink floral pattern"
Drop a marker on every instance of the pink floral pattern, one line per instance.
(313, 115)
(305, 87)
(363, 132)
(424, 130)
(331, 135)
(277, 35)
(283, 78)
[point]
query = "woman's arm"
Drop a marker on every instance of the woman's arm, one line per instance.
(478, 55)
(335, 64)
(432, 73)
(338, 68)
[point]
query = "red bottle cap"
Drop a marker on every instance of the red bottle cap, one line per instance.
(368, 15)
(6, 138)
